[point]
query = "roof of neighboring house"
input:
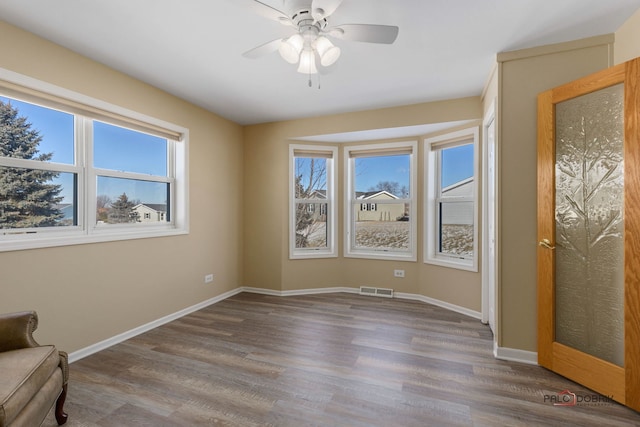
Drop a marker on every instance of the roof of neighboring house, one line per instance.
(65, 208)
(158, 207)
(365, 195)
(319, 194)
(467, 182)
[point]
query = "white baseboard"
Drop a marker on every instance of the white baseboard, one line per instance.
(515, 355)
(102, 345)
(399, 295)
(300, 291)
(500, 353)
(443, 304)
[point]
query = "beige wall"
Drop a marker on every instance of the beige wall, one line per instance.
(627, 45)
(88, 293)
(522, 75)
(266, 260)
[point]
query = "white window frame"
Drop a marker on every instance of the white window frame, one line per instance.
(331, 155)
(86, 109)
(432, 149)
(351, 153)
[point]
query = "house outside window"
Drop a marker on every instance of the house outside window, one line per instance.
(380, 207)
(312, 207)
(73, 173)
(451, 210)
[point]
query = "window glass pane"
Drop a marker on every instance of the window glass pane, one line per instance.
(457, 170)
(32, 198)
(122, 149)
(311, 178)
(391, 174)
(456, 228)
(380, 235)
(311, 225)
(29, 131)
(129, 201)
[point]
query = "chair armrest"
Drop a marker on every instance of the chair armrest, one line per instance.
(16, 330)
(64, 365)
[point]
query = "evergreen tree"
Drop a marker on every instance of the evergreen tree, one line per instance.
(27, 197)
(122, 210)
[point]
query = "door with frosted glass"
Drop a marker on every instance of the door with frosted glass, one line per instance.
(589, 232)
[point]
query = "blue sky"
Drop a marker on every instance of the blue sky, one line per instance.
(457, 164)
(372, 170)
(114, 148)
(122, 149)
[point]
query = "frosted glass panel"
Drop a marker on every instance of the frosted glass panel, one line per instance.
(589, 224)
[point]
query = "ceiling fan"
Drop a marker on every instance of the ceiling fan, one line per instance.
(309, 45)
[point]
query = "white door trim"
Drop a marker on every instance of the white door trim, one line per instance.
(490, 222)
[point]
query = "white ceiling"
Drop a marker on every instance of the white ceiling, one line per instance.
(192, 48)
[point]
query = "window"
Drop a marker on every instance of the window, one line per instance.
(380, 208)
(312, 214)
(73, 173)
(451, 200)
(132, 175)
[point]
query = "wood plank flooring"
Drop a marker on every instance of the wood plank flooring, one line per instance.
(321, 360)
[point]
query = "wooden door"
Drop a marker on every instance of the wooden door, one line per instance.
(589, 232)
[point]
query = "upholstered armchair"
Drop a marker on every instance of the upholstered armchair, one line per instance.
(32, 377)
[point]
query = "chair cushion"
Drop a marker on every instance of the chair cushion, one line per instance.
(23, 373)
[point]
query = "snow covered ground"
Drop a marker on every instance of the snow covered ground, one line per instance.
(456, 239)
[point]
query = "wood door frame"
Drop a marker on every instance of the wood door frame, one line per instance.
(622, 383)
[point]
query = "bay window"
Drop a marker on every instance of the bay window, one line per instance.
(451, 200)
(380, 206)
(312, 216)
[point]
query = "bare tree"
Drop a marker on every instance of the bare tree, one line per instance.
(310, 184)
(393, 187)
(103, 204)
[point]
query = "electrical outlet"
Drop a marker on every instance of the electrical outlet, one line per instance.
(208, 278)
(398, 273)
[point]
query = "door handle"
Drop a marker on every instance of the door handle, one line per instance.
(545, 243)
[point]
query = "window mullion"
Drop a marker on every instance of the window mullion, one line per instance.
(90, 180)
(132, 175)
(13, 162)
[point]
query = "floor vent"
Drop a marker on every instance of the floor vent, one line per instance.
(378, 292)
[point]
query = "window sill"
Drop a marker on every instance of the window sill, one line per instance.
(313, 255)
(53, 239)
(467, 265)
(382, 255)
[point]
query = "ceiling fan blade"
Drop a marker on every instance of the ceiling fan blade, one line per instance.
(320, 9)
(263, 49)
(269, 12)
(369, 33)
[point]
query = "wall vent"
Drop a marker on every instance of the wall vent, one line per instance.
(378, 292)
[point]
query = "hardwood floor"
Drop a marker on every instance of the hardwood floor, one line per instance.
(321, 360)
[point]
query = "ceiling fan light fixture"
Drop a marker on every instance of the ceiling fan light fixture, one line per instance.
(290, 48)
(327, 52)
(307, 62)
